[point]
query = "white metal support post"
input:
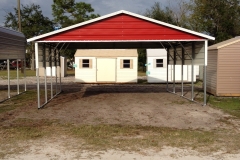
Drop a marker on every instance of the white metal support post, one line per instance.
(192, 76)
(8, 70)
(45, 70)
(174, 70)
(60, 76)
(183, 54)
(55, 65)
(51, 65)
(167, 66)
(37, 71)
(17, 78)
(24, 72)
(205, 72)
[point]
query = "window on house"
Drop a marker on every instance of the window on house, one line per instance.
(159, 63)
(85, 63)
(126, 63)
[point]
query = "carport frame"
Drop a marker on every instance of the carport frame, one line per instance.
(123, 44)
(13, 46)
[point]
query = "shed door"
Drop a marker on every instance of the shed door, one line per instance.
(106, 70)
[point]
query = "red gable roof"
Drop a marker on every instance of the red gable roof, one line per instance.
(121, 27)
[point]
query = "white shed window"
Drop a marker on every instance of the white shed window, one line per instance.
(126, 63)
(159, 63)
(85, 63)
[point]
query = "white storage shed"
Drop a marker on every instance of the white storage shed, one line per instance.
(157, 68)
(106, 65)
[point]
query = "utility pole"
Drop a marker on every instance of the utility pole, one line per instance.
(19, 17)
(20, 29)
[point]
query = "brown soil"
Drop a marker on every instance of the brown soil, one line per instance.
(146, 105)
(125, 104)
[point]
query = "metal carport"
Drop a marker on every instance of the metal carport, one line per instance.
(12, 46)
(122, 30)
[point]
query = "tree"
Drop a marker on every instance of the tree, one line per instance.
(32, 20)
(33, 24)
(142, 58)
(161, 14)
(69, 12)
(218, 18)
(175, 13)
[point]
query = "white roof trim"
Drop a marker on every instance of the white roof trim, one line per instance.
(116, 13)
(184, 40)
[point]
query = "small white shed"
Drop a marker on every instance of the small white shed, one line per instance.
(63, 69)
(157, 68)
(106, 65)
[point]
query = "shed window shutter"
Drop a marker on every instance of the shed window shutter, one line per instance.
(90, 63)
(80, 63)
(121, 63)
(131, 64)
(154, 63)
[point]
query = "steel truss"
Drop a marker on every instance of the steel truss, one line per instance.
(182, 57)
(50, 58)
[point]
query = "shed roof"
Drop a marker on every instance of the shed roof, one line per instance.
(121, 26)
(224, 43)
(4, 30)
(12, 44)
(106, 53)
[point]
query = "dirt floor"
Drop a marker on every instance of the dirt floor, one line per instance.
(119, 104)
(146, 105)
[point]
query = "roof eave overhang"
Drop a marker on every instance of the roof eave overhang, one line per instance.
(72, 41)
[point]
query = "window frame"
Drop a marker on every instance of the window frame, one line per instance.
(159, 63)
(85, 63)
(126, 63)
(130, 63)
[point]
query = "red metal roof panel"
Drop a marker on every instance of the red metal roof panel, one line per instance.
(121, 27)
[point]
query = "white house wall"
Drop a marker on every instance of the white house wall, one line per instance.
(159, 75)
(156, 74)
(123, 75)
(127, 75)
(85, 75)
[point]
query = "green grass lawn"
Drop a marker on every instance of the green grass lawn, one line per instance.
(70, 72)
(13, 74)
(141, 73)
(228, 104)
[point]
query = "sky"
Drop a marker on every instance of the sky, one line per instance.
(101, 7)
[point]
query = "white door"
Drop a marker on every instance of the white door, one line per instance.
(106, 70)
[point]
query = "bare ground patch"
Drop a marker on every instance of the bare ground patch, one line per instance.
(108, 121)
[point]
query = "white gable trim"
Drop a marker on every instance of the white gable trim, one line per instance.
(116, 13)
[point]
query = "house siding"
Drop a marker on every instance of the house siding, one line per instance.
(212, 72)
(123, 75)
(127, 75)
(229, 70)
(159, 75)
(85, 75)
